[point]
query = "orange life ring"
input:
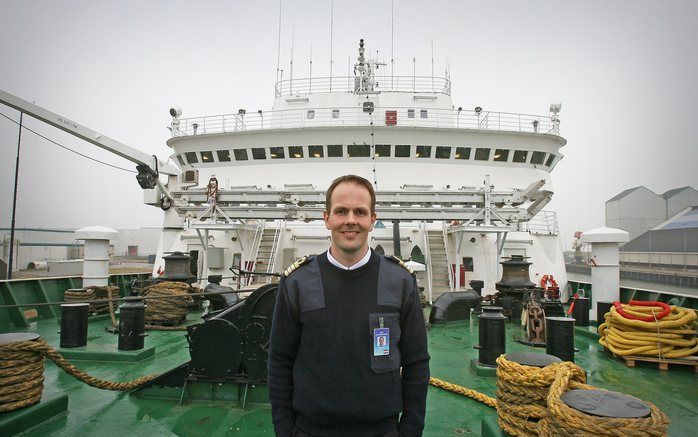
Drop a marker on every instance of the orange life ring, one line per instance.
(547, 281)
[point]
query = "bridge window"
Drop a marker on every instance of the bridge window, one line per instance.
(520, 155)
(240, 154)
(223, 155)
(259, 153)
(443, 152)
(402, 151)
(295, 151)
(358, 150)
(191, 157)
(482, 154)
(334, 151)
(423, 152)
(316, 151)
(550, 160)
(335, 113)
(468, 264)
(311, 114)
(206, 156)
(462, 153)
(537, 157)
(276, 152)
(181, 160)
(410, 113)
(501, 155)
(382, 149)
(423, 113)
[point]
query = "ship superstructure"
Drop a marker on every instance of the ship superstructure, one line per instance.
(464, 186)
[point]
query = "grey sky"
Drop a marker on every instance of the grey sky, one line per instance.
(625, 72)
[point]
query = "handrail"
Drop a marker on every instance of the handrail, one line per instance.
(254, 249)
(381, 83)
(354, 116)
(427, 253)
(451, 272)
(274, 247)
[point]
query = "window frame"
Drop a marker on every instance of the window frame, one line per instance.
(256, 153)
(478, 154)
(399, 150)
(241, 155)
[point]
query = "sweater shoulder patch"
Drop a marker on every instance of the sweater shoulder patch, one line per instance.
(401, 263)
(296, 264)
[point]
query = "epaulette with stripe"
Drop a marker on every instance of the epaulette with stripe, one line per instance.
(298, 263)
(401, 263)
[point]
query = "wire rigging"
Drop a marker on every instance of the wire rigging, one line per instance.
(68, 148)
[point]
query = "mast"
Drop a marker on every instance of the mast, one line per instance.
(278, 47)
(331, 40)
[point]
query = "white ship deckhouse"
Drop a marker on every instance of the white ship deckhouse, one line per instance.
(464, 187)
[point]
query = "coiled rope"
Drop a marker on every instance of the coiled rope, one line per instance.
(648, 329)
(90, 294)
(529, 403)
(171, 311)
(22, 366)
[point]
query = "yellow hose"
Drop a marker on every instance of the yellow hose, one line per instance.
(673, 336)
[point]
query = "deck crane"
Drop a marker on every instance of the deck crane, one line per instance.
(147, 176)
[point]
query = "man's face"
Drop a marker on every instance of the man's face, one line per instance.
(349, 220)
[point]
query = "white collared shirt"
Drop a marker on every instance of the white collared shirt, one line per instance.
(362, 262)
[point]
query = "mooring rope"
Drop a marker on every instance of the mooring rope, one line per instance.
(529, 404)
(167, 311)
(94, 295)
(22, 366)
(632, 329)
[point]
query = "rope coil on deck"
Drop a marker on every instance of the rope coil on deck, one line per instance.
(627, 331)
(22, 366)
(167, 311)
(529, 403)
(90, 294)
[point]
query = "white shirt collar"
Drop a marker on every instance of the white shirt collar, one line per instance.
(362, 262)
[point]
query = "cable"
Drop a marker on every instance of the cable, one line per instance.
(68, 148)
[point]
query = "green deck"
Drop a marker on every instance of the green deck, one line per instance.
(97, 412)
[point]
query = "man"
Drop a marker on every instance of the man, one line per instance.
(345, 323)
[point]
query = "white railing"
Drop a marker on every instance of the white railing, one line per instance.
(427, 258)
(683, 260)
(271, 265)
(544, 223)
(353, 116)
(346, 84)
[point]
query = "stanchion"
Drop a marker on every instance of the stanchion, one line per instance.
(74, 324)
(559, 332)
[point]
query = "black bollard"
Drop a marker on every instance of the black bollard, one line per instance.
(559, 333)
(477, 285)
(581, 311)
(492, 329)
(131, 324)
(606, 403)
(533, 359)
(601, 309)
(74, 324)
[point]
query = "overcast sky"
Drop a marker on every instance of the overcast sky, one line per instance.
(626, 73)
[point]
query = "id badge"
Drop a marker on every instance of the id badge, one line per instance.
(381, 342)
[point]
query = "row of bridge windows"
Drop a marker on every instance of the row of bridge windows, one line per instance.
(364, 151)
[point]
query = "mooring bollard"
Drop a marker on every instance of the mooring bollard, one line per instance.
(559, 333)
(492, 327)
(581, 311)
(601, 309)
(132, 324)
(74, 324)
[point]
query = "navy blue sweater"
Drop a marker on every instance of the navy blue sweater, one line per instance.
(323, 376)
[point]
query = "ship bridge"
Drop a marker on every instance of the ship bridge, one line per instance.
(390, 129)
